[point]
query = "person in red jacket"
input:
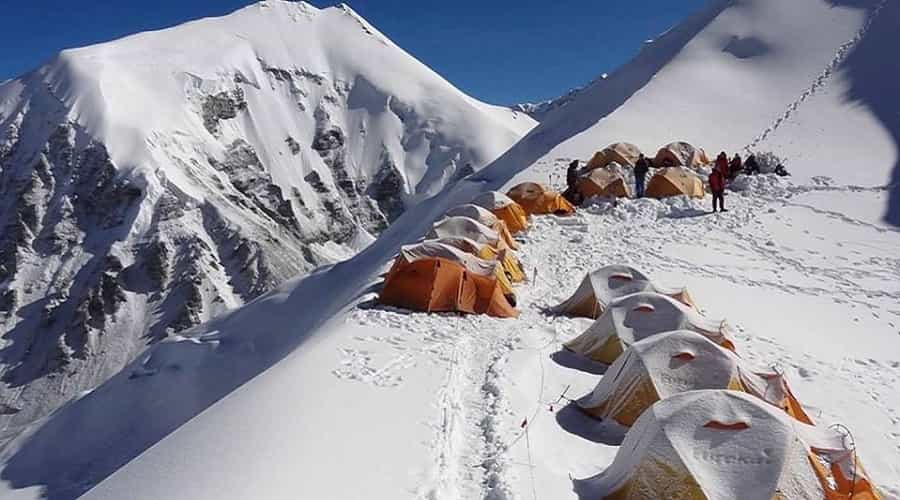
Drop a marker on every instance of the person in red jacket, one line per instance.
(717, 184)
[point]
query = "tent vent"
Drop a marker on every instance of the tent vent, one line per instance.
(644, 308)
(736, 426)
(684, 356)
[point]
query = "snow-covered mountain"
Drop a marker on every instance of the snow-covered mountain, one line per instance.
(312, 391)
(150, 183)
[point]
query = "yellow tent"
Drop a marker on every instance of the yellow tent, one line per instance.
(539, 199)
(510, 262)
(717, 445)
(671, 363)
(675, 181)
(608, 283)
(680, 154)
(486, 218)
(623, 153)
(641, 315)
(603, 182)
(505, 209)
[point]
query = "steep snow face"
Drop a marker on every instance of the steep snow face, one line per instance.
(808, 80)
(149, 183)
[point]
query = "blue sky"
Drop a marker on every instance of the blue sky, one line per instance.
(501, 51)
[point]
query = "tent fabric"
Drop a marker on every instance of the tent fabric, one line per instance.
(474, 212)
(474, 265)
(511, 264)
(603, 182)
(608, 283)
(623, 153)
(539, 199)
(486, 218)
(641, 315)
(505, 209)
(439, 285)
(466, 228)
(719, 444)
(671, 363)
(680, 154)
(675, 181)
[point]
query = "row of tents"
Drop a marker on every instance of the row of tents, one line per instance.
(699, 422)
(605, 174)
(467, 262)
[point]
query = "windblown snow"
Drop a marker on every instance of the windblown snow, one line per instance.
(315, 391)
(149, 184)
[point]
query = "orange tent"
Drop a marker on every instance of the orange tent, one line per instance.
(603, 182)
(539, 199)
(440, 285)
(675, 181)
(623, 153)
(505, 209)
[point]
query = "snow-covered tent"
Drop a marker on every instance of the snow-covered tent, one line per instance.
(539, 199)
(675, 181)
(511, 264)
(465, 227)
(505, 209)
(608, 283)
(474, 212)
(680, 154)
(604, 182)
(661, 366)
(484, 217)
(722, 445)
(433, 277)
(435, 249)
(641, 315)
(623, 153)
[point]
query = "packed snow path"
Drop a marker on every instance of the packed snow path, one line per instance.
(812, 292)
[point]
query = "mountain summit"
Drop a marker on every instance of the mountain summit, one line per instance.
(150, 183)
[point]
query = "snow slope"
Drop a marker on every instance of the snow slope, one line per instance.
(315, 391)
(150, 183)
(796, 78)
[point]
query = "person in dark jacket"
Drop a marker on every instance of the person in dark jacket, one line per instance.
(641, 168)
(735, 167)
(751, 166)
(717, 185)
(571, 193)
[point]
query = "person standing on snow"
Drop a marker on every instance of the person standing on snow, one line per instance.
(722, 162)
(571, 193)
(751, 166)
(717, 184)
(641, 167)
(735, 167)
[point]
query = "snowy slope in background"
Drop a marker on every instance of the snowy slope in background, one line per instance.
(293, 394)
(150, 183)
(808, 80)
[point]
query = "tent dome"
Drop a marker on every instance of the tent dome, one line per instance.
(539, 199)
(719, 445)
(675, 181)
(623, 153)
(671, 363)
(505, 209)
(680, 154)
(608, 283)
(641, 315)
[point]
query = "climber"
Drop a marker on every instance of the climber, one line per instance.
(571, 193)
(641, 167)
(717, 185)
(751, 166)
(735, 167)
